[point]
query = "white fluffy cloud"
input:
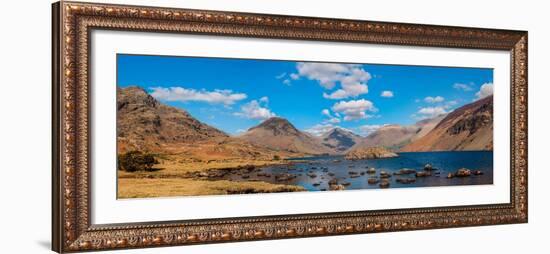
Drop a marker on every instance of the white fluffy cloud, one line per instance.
(226, 97)
(327, 74)
(430, 112)
(284, 77)
(354, 109)
(450, 104)
(320, 129)
(351, 77)
(463, 87)
(485, 90)
(280, 76)
(256, 110)
(331, 118)
(435, 99)
(334, 120)
(287, 82)
(387, 94)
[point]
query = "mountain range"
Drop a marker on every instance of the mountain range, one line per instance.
(143, 123)
(394, 137)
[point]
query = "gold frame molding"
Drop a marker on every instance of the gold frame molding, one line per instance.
(71, 226)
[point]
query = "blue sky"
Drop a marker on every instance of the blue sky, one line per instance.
(236, 94)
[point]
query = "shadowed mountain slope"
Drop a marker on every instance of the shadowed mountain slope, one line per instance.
(469, 127)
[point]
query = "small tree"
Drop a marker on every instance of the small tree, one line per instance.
(136, 161)
(276, 157)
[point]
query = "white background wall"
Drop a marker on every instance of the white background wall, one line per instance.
(25, 125)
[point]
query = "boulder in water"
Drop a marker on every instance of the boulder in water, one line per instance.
(477, 172)
(405, 180)
(423, 173)
(373, 180)
(384, 184)
(384, 174)
(405, 171)
(284, 177)
(463, 172)
(428, 167)
(337, 187)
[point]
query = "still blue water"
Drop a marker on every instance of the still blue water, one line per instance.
(326, 168)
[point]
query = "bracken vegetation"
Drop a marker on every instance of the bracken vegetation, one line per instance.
(136, 161)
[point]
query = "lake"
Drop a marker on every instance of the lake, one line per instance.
(314, 173)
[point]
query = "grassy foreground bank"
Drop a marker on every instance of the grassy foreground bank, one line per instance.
(169, 187)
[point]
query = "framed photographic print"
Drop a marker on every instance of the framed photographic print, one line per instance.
(178, 126)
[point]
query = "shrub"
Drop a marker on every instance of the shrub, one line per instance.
(276, 157)
(136, 161)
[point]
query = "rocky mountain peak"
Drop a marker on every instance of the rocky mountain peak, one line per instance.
(134, 96)
(277, 125)
(144, 123)
(338, 131)
(278, 133)
(339, 139)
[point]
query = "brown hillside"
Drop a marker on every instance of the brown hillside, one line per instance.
(469, 127)
(143, 123)
(279, 134)
(395, 136)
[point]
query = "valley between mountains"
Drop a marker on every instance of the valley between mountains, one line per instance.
(190, 155)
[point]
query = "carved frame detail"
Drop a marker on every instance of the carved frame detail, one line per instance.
(72, 229)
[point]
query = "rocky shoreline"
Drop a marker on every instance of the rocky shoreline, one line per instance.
(332, 173)
(369, 153)
(382, 178)
(255, 173)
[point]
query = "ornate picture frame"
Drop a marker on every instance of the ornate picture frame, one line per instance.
(72, 229)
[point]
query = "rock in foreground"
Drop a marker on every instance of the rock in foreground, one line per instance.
(369, 153)
(463, 172)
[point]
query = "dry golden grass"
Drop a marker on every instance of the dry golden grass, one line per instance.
(171, 178)
(174, 164)
(173, 167)
(145, 188)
